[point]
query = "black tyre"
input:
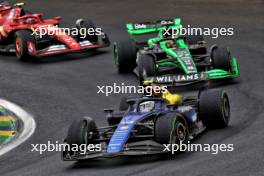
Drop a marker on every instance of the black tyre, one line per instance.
(83, 131)
(125, 54)
(194, 40)
(214, 108)
(171, 128)
(221, 58)
(22, 38)
(146, 66)
(88, 25)
(123, 106)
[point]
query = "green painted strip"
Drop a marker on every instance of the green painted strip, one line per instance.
(6, 123)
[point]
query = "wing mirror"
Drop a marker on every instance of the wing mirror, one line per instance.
(58, 18)
(20, 4)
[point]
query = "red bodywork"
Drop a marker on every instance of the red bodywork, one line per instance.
(13, 19)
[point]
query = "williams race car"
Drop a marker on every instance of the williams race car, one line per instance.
(30, 36)
(180, 59)
(144, 125)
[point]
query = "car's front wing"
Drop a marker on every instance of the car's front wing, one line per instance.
(148, 147)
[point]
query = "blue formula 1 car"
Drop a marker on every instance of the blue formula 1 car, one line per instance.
(144, 125)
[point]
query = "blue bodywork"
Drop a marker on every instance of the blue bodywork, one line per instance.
(133, 116)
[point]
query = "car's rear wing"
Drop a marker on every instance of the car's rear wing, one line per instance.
(152, 27)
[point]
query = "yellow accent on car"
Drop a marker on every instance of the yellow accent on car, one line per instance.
(173, 99)
(147, 82)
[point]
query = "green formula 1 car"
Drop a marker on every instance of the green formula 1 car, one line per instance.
(166, 58)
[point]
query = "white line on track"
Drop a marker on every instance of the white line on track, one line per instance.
(29, 126)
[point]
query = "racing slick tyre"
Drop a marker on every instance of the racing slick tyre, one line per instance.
(214, 108)
(194, 40)
(125, 54)
(221, 58)
(123, 106)
(83, 131)
(22, 38)
(88, 25)
(171, 128)
(146, 66)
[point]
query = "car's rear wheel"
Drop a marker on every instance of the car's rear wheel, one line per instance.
(146, 67)
(88, 25)
(125, 54)
(214, 108)
(171, 128)
(82, 131)
(221, 58)
(24, 39)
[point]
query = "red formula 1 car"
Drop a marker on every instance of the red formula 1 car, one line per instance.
(30, 36)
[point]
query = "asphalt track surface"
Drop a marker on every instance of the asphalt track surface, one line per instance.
(57, 92)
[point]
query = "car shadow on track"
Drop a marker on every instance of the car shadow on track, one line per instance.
(212, 84)
(71, 57)
(123, 161)
(215, 136)
(53, 59)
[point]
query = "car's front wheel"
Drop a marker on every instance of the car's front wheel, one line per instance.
(24, 42)
(214, 108)
(146, 66)
(221, 58)
(82, 131)
(171, 128)
(84, 26)
(125, 54)
(193, 40)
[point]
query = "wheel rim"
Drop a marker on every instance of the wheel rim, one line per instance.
(85, 137)
(181, 132)
(18, 46)
(226, 109)
(140, 71)
(229, 59)
(116, 55)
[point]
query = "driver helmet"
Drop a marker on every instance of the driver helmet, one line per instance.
(147, 106)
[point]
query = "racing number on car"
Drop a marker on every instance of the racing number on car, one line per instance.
(189, 65)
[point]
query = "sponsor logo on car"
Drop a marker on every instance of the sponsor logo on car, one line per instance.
(178, 78)
(123, 128)
(140, 26)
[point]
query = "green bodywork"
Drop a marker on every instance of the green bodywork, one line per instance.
(182, 61)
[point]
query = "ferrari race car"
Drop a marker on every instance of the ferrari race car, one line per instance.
(168, 58)
(30, 36)
(144, 125)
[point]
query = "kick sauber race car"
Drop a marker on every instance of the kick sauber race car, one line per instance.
(144, 125)
(21, 32)
(180, 59)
